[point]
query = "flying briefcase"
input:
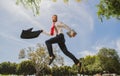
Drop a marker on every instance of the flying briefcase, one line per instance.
(71, 33)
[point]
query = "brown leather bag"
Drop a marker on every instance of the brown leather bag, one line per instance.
(71, 33)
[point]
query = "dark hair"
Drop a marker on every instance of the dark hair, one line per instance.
(55, 15)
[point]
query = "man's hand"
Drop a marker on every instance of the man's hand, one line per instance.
(41, 31)
(73, 33)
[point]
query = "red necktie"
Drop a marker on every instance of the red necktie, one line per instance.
(52, 29)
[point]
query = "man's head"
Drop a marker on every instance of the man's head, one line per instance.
(54, 18)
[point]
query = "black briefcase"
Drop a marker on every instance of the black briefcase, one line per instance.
(29, 34)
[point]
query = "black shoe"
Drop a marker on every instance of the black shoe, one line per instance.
(51, 60)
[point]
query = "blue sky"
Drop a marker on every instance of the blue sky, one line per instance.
(82, 17)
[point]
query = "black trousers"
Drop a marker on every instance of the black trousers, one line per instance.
(61, 42)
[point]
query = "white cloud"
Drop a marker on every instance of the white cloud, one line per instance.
(104, 42)
(118, 44)
(72, 14)
(19, 12)
(84, 53)
(16, 40)
(114, 44)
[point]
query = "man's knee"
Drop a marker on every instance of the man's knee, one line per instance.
(47, 42)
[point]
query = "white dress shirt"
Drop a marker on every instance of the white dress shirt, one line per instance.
(59, 26)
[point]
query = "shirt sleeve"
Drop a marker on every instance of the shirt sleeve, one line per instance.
(65, 26)
(46, 33)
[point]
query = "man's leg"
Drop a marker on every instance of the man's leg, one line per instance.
(63, 47)
(67, 53)
(49, 47)
(70, 55)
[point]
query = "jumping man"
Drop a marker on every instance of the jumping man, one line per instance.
(58, 37)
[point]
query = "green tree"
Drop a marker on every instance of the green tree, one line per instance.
(109, 60)
(40, 58)
(105, 60)
(55, 71)
(62, 71)
(8, 68)
(89, 63)
(13, 67)
(46, 70)
(26, 68)
(65, 70)
(74, 69)
(97, 65)
(0, 69)
(108, 9)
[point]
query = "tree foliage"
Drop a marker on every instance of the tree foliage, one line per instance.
(34, 5)
(40, 57)
(108, 9)
(89, 62)
(63, 71)
(26, 68)
(109, 60)
(105, 60)
(8, 68)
